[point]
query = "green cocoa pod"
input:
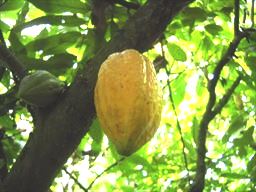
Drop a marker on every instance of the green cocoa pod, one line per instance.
(40, 88)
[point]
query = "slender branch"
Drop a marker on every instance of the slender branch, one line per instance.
(245, 12)
(252, 13)
(209, 114)
(8, 101)
(236, 20)
(2, 69)
(177, 118)
(74, 179)
(2, 38)
(159, 63)
(22, 14)
(224, 60)
(99, 20)
(14, 64)
(226, 97)
(107, 169)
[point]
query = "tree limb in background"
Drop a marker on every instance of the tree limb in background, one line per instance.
(219, 106)
(236, 20)
(2, 41)
(211, 112)
(252, 13)
(63, 126)
(13, 63)
(99, 20)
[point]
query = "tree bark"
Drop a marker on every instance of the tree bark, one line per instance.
(59, 130)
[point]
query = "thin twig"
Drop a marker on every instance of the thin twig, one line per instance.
(22, 14)
(2, 38)
(252, 13)
(226, 97)
(177, 118)
(2, 41)
(107, 169)
(74, 179)
(236, 20)
(245, 12)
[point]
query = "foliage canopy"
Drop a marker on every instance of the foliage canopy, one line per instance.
(206, 63)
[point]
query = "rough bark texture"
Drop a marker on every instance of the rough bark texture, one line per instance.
(60, 129)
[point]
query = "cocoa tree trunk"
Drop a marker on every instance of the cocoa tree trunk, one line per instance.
(59, 130)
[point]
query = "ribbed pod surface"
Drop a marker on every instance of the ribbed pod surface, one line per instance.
(128, 100)
(40, 88)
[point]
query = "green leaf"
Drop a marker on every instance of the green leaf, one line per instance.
(96, 132)
(55, 43)
(6, 79)
(246, 139)
(213, 29)
(12, 149)
(195, 13)
(6, 122)
(253, 174)
(234, 175)
(16, 44)
(177, 52)
(178, 89)
(236, 125)
(200, 86)
(138, 160)
(195, 129)
(4, 27)
(56, 65)
(11, 5)
(52, 20)
(60, 6)
(251, 62)
(207, 46)
(251, 163)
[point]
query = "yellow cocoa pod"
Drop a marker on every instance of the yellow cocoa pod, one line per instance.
(128, 100)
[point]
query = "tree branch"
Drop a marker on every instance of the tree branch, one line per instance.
(14, 65)
(219, 106)
(209, 114)
(99, 20)
(252, 13)
(61, 128)
(75, 180)
(2, 69)
(236, 20)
